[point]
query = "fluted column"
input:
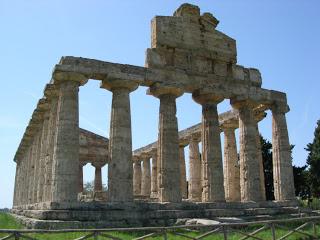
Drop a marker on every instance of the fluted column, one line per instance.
(261, 169)
(249, 166)
(168, 145)
(42, 151)
(183, 177)
(80, 178)
(154, 173)
(120, 172)
(231, 166)
(51, 93)
(195, 187)
(31, 171)
(146, 177)
(97, 178)
(137, 178)
(212, 170)
(281, 154)
(66, 150)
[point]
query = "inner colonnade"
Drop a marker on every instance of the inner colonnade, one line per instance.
(187, 55)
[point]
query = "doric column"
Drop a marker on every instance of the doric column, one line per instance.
(120, 172)
(42, 151)
(195, 187)
(80, 178)
(146, 177)
(249, 166)
(97, 177)
(183, 177)
(31, 171)
(16, 184)
(212, 170)
(168, 145)
(154, 185)
(231, 165)
(137, 178)
(260, 160)
(51, 93)
(281, 154)
(66, 146)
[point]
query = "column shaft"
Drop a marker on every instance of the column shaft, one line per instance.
(249, 166)
(154, 184)
(195, 187)
(183, 177)
(52, 130)
(66, 149)
(168, 151)
(80, 179)
(281, 154)
(137, 178)
(120, 172)
(42, 157)
(98, 179)
(146, 179)
(231, 166)
(212, 170)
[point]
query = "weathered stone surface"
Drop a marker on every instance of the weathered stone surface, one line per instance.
(281, 155)
(187, 55)
(137, 178)
(231, 166)
(120, 186)
(183, 177)
(66, 151)
(146, 178)
(195, 186)
(249, 166)
(168, 151)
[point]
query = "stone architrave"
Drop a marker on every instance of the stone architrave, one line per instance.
(231, 166)
(212, 169)
(183, 177)
(281, 154)
(249, 165)
(146, 177)
(120, 169)
(195, 187)
(168, 144)
(66, 151)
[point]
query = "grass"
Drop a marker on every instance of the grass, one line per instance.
(8, 222)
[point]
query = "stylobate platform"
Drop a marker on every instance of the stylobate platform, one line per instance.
(138, 214)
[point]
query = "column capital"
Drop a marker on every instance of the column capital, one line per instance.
(229, 126)
(117, 83)
(240, 104)
(50, 90)
(158, 90)
(202, 97)
(59, 77)
(98, 164)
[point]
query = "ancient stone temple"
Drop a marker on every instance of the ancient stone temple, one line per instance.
(148, 186)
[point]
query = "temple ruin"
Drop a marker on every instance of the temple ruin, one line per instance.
(148, 186)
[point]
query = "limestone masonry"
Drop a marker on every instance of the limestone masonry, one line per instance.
(148, 186)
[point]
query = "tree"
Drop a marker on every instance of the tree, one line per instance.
(313, 161)
(302, 188)
(266, 149)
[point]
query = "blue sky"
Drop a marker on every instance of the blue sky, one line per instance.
(280, 38)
